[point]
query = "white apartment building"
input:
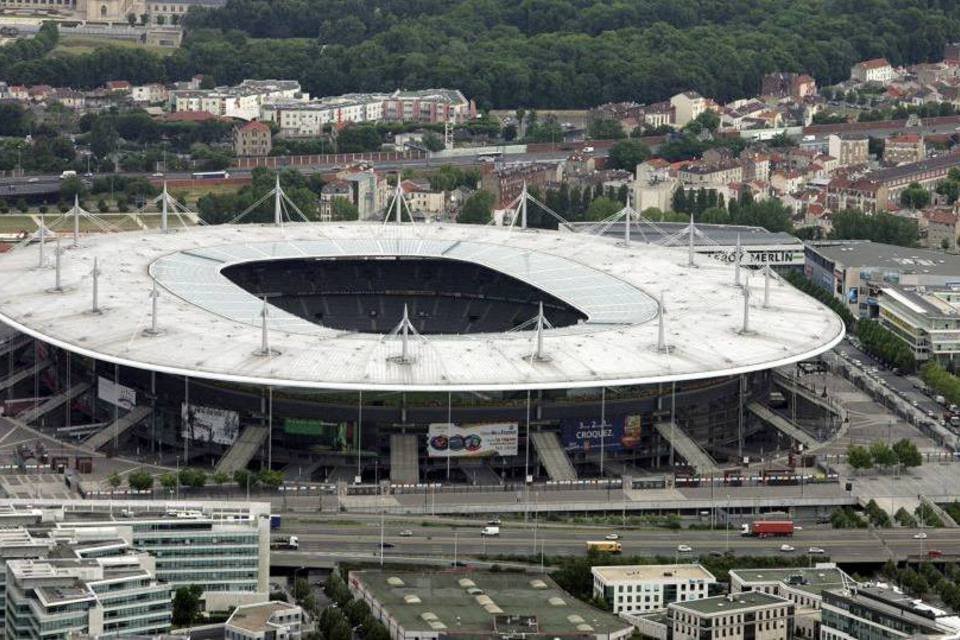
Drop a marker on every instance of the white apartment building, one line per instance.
(300, 118)
(643, 588)
(265, 621)
(875, 70)
(243, 101)
(687, 106)
(110, 596)
(751, 614)
(926, 319)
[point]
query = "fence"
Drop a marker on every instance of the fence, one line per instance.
(273, 162)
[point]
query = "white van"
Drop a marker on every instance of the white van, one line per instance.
(490, 531)
(70, 173)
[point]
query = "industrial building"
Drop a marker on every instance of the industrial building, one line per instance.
(427, 605)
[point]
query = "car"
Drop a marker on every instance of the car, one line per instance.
(816, 550)
(915, 403)
(612, 536)
(406, 533)
(158, 174)
(920, 535)
(495, 522)
(684, 548)
(786, 548)
(386, 545)
(32, 180)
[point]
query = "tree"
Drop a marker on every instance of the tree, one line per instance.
(14, 120)
(605, 129)
(270, 479)
(882, 455)
(859, 458)
(245, 479)
(140, 480)
(343, 209)
(914, 196)
(161, 20)
(301, 588)
(602, 208)
(220, 477)
(340, 631)
(477, 209)
(907, 453)
(169, 481)
(186, 605)
(433, 142)
(22, 205)
(114, 480)
(627, 154)
(356, 611)
(193, 477)
(132, 19)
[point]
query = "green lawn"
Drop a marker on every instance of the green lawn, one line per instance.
(12, 223)
(75, 45)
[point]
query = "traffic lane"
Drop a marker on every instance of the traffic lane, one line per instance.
(900, 384)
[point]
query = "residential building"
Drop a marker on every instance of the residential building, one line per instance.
(787, 85)
(881, 613)
(369, 192)
(265, 621)
(803, 586)
(875, 70)
(756, 166)
(855, 271)
(849, 149)
(429, 106)
(150, 94)
(506, 182)
(308, 118)
(243, 101)
(659, 114)
(643, 588)
(951, 53)
(115, 596)
(710, 175)
(422, 198)
(926, 319)
(747, 614)
(330, 193)
(942, 226)
(69, 98)
(252, 139)
(687, 106)
(904, 148)
(927, 173)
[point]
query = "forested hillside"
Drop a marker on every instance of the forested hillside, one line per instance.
(541, 53)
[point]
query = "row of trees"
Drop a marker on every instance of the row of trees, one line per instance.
(336, 623)
(927, 578)
(504, 53)
(302, 190)
(882, 227)
(886, 346)
(880, 454)
(142, 480)
(821, 294)
(942, 381)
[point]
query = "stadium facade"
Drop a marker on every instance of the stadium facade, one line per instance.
(414, 351)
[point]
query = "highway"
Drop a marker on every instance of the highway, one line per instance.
(359, 538)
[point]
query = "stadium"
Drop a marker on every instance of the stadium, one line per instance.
(409, 352)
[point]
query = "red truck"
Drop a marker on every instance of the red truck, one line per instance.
(768, 528)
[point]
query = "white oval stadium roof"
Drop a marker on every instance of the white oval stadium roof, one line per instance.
(211, 328)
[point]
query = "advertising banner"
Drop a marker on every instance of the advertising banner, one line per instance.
(123, 397)
(618, 434)
(469, 440)
(335, 436)
(209, 424)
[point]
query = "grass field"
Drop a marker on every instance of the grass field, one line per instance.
(11, 223)
(75, 45)
(192, 195)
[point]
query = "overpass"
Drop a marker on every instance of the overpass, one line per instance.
(552, 456)
(788, 385)
(242, 451)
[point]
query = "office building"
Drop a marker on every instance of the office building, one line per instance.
(750, 614)
(643, 588)
(926, 319)
(265, 621)
(803, 587)
(882, 613)
(855, 271)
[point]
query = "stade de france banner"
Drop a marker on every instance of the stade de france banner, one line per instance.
(109, 391)
(620, 433)
(209, 424)
(472, 440)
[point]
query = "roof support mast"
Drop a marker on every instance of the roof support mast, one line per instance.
(690, 243)
(736, 262)
(277, 203)
(523, 206)
(76, 219)
(163, 210)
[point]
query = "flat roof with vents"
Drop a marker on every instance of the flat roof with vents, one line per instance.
(652, 573)
(721, 605)
(444, 600)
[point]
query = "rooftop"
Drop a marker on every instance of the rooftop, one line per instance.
(812, 580)
(211, 327)
(466, 603)
(863, 253)
(726, 604)
(652, 573)
(256, 617)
